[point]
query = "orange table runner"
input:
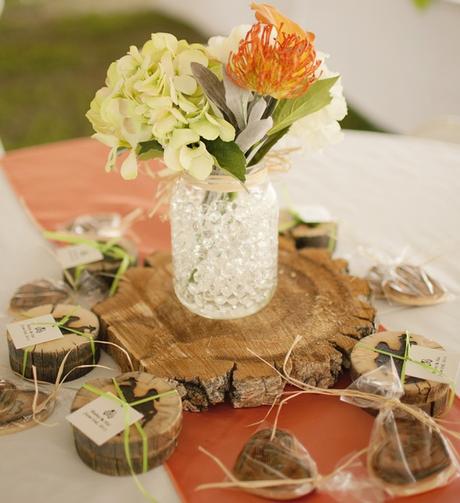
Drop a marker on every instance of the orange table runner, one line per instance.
(61, 181)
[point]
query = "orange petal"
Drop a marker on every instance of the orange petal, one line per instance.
(266, 13)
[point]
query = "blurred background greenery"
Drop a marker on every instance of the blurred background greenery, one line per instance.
(51, 66)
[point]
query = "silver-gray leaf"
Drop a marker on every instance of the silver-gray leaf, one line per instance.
(257, 110)
(253, 133)
(237, 100)
(214, 89)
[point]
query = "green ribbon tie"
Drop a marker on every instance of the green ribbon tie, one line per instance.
(61, 324)
(127, 428)
(406, 358)
(109, 249)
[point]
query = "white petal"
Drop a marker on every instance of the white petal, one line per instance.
(183, 137)
(128, 169)
(184, 84)
(171, 159)
(253, 133)
(201, 167)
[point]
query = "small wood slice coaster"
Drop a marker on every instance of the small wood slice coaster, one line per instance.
(410, 458)
(16, 412)
(161, 423)
(38, 293)
(308, 235)
(411, 286)
(104, 269)
(322, 235)
(431, 396)
(47, 357)
(210, 361)
(278, 458)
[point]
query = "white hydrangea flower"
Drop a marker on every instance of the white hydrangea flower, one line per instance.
(322, 128)
(149, 94)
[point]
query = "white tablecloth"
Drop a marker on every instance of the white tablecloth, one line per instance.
(389, 193)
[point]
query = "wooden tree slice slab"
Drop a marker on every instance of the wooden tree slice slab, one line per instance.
(47, 357)
(161, 423)
(431, 396)
(410, 458)
(210, 360)
(279, 458)
(16, 411)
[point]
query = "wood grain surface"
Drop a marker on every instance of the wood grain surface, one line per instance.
(211, 360)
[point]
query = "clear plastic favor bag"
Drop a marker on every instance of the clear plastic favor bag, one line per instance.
(408, 454)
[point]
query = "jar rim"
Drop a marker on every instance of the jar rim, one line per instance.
(225, 182)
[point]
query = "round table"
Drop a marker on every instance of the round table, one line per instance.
(390, 194)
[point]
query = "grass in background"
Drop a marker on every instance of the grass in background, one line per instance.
(50, 69)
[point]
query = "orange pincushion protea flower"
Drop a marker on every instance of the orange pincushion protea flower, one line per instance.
(283, 66)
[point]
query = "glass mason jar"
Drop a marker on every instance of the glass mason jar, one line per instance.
(224, 244)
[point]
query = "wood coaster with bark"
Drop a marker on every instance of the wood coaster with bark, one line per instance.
(278, 458)
(16, 411)
(38, 293)
(308, 234)
(105, 269)
(48, 356)
(410, 458)
(322, 235)
(161, 424)
(431, 396)
(210, 360)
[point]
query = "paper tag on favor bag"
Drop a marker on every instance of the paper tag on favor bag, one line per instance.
(34, 331)
(75, 255)
(103, 418)
(445, 364)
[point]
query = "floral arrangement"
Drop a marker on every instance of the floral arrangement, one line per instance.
(218, 107)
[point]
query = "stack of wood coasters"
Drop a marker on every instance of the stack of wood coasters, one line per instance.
(407, 457)
(268, 457)
(37, 293)
(430, 396)
(48, 356)
(161, 424)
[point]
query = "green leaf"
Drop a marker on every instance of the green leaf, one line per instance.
(149, 150)
(229, 157)
(289, 111)
(267, 145)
